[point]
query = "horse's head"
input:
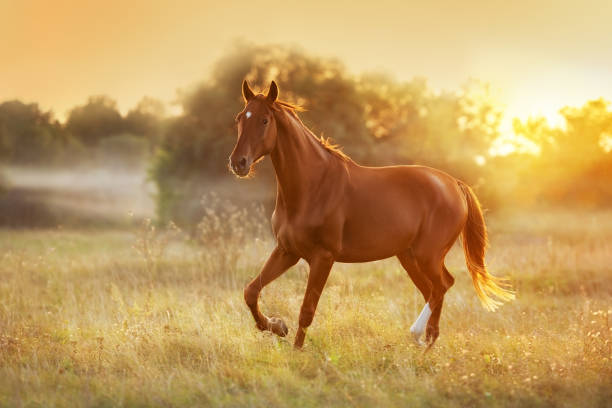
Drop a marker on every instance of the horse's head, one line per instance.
(256, 129)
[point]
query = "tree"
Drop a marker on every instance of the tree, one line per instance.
(29, 135)
(97, 119)
(572, 166)
(146, 120)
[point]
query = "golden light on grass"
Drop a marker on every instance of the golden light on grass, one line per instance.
(87, 320)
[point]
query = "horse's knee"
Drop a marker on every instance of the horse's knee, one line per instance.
(250, 295)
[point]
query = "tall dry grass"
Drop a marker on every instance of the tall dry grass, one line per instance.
(156, 318)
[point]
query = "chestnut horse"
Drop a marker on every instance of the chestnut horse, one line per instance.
(330, 209)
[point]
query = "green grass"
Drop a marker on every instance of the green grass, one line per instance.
(137, 318)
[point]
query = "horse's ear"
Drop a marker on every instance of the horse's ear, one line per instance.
(273, 92)
(247, 94)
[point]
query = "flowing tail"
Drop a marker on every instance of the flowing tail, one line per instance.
(475, 243)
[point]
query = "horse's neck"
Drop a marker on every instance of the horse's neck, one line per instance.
(300, 161)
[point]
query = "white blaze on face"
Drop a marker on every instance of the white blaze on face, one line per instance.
(418, 328)
(248, 114)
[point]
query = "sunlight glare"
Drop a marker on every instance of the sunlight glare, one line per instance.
(480, 160)
(606, 142)
(508, 142)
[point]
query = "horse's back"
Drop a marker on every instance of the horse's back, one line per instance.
(387, 209)
(412, 185)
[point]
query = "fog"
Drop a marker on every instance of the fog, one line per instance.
(78, 195)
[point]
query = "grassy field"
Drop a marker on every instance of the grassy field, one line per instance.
(137, 318)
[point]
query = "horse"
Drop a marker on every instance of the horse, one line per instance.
(331, 209)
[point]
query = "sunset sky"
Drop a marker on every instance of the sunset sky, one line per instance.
(539, 55)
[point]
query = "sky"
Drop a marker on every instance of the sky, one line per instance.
(538, 55)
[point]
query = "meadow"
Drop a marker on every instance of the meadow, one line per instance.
(142, 317)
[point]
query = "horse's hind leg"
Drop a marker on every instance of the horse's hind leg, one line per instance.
(422, 282)
(433, 267)
(411, 266)
(425, 263)
(433, 329)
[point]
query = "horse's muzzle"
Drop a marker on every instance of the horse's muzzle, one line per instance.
(241, 166)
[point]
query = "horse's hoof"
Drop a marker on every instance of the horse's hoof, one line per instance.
(416, 336)
(431, 335)
(278, 327)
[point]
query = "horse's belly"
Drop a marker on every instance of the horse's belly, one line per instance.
(377, 237)
(354, 255)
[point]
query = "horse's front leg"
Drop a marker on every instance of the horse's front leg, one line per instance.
(320, 266)
(277, 264)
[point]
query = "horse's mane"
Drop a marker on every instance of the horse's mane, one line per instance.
(326, 143)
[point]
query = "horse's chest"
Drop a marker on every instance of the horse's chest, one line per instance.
(302, 236)
(296, 237)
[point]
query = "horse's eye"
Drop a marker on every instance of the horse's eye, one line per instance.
(265, 121)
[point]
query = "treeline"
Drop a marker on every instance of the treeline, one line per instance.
(377, 119)
(96, 130)
(573, 165)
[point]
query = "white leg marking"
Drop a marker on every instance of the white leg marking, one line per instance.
(418, 328)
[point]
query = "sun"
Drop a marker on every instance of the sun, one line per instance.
(528, 107)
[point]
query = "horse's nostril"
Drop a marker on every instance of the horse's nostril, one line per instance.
(242, 162)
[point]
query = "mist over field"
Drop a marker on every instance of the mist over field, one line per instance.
(69, 197)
